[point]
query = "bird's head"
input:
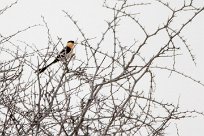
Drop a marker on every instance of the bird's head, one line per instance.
(70, 44)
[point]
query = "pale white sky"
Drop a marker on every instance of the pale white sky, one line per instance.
(91, 17)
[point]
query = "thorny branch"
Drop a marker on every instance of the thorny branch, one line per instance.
(101, 94)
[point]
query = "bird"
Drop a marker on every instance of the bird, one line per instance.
(66, 53)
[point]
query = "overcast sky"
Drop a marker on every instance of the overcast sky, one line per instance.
(91, 17)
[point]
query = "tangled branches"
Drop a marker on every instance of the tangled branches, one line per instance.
(103, 91)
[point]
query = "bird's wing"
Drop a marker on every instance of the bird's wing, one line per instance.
(63, 53)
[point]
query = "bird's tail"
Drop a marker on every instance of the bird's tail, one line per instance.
(44, 68)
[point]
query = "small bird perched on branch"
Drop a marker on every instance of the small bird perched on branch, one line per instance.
(66, 53)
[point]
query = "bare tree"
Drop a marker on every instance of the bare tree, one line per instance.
(102, 93)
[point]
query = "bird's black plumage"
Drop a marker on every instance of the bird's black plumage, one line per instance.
(60, 56)
(63, 53)
(70, 42)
